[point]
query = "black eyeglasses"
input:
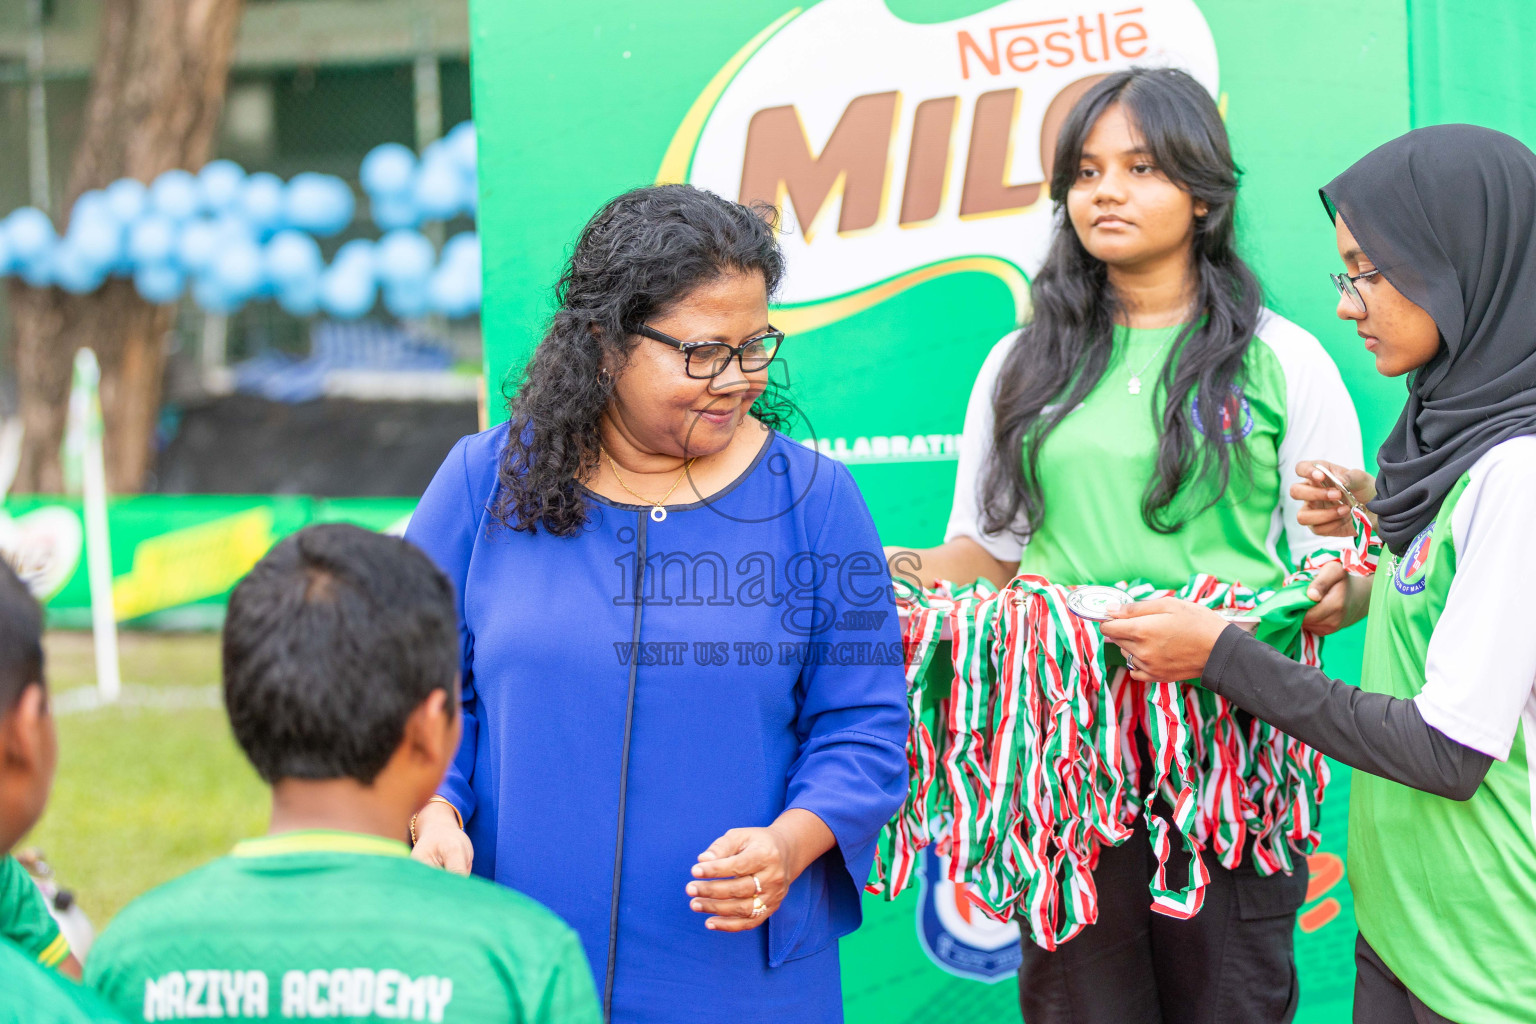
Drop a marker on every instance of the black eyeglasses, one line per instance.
(1346, 286)
(708, 359)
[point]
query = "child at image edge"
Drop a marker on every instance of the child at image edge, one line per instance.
(31, 992)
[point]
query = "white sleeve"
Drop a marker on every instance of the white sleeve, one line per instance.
(975, 445)
(1320, 422)
(1481, 665)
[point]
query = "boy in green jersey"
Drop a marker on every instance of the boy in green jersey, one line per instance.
(29, 991)
(26, 922)
(341, 650)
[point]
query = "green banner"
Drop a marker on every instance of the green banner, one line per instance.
(905, 142)
(1474, 62)
(174, 558)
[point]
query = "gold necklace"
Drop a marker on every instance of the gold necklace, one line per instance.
(658, 508)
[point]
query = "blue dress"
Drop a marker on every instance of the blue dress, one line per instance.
(751, 642)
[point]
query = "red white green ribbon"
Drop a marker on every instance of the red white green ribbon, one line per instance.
(1035, 762)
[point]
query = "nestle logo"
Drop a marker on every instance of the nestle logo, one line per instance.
(1055, 42)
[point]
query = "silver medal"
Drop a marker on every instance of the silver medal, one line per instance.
(1333, 478)
(1095, 603)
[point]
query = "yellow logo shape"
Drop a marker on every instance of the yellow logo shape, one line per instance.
(193, 563)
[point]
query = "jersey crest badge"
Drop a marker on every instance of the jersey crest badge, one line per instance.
(1236, 416)
(1409, 576)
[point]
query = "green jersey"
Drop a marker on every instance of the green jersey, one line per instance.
(1288, 404)
(24, 917)
(335, 924)
(1445, 890)
(33, 994)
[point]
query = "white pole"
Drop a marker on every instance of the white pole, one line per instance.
(37, 111)
(86, 439)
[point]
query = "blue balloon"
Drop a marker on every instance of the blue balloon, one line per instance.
(463, 247)
(404, 257)
(233, 229)
(291, 258)
(347, 291)
(38, 271)
(207, 294)
(152, 241)
(8, 261)
(196, 246)
(438, 192)
(300, 298)
(463, 145)
(76, 272)
(261, 202)
(30, 233)
(359, 251)
(127, 198)
(237, 270)
(321, 204)
(95, 236)
(175, 194)
(393, 212)
(219, 184)
(387, 170)
(91, 205)
(408, 301)
(453, 292)
(159, 283)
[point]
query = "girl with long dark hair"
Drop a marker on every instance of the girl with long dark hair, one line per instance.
(1139, 427)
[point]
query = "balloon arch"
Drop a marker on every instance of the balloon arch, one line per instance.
(232, 238)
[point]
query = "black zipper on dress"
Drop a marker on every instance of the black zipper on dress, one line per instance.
(629, 719)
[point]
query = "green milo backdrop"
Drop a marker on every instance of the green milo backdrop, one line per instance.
(903, 140)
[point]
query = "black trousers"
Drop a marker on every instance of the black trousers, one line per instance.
(1380, 998)
(1232, 962)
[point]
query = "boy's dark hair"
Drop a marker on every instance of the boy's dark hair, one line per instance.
(330, 643)
(21, 638)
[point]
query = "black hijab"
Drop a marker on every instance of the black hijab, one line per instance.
(1448, 215)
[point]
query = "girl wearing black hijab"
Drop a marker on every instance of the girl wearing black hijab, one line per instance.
(1437, 230)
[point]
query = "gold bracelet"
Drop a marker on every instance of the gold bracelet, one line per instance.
(437, 800)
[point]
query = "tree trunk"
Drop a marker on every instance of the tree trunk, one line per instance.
(156, 93)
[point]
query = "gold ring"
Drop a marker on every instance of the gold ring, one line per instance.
(758, 907)
(757, 885)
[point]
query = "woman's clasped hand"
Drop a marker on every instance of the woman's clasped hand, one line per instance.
(744, 875)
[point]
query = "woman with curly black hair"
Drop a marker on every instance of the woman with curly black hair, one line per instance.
(669, 733)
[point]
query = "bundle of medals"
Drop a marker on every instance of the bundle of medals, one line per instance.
(1025, 749)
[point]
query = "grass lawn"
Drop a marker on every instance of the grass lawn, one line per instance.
(147, 789)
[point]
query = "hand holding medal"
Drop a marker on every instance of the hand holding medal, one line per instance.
(1333, 496)
(1105, 605)
(1165, 638)
(1330, 494)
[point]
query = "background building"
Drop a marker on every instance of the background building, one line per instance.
(261, 401)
